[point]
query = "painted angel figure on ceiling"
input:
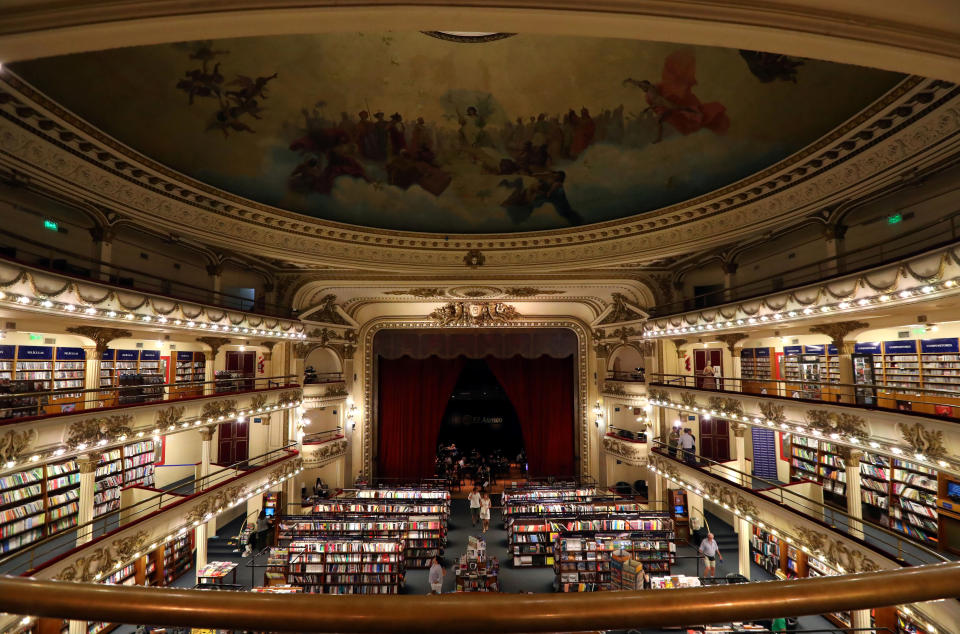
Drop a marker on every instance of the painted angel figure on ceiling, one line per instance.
(672, 100)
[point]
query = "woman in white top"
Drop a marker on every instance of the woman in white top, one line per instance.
(485, 511)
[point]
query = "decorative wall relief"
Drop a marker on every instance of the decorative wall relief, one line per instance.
(101, 336)
(622, 310)
(658, 395)
(689, 399)
(169, 416)
(209, 505)
(630, 453)
(837, 423)
(215, 409)
(851, 559)
(772, 411)
(927, 442)
(616, 389)
(92, 430)
(14, 443)
(290, 396)
(338, 389)
(319, 455)
(258, 401)
(730, 496)
(474, 314)
(103, 559)
(664, 466)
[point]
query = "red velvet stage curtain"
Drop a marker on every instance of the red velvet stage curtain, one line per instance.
(413, 397)
(541, 391)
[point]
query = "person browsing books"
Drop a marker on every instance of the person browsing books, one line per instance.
(437, 573)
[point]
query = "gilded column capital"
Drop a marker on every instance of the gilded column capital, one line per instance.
(87, 463)
(852, 458)
(206, 433)
(838, 331)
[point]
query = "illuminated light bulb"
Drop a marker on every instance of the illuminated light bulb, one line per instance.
(90, 311)
(69, 308)
(122, 438)
(807, 311)
(34, 458)
(128, 316)
(46, 303)
(102, 442)
(927, 289)
(739, 322)
(60, 452)
(23, 300)
(835, 436)
(896, 450)
(191, 324)
(177, 322)
(162, 320)
(905, 294)
(884, 298)
(948, 284)
(82, 446)
(874, 445)
(824, 309)
(752, 320)
(139, 434)
(792, 313)
(942, 463)
(853, 440)
(146, 318)
(203, 325)
(844, 305)
(919, 456)
(863, 302)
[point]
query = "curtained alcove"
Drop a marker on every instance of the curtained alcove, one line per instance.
(416, 373)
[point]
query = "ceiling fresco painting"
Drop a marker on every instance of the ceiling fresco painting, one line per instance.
(410, 132)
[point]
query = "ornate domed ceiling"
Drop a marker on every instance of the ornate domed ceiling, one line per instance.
(410, 132)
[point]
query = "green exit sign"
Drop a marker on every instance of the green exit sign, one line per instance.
(34, 337)
(51, 225)
(894, 219)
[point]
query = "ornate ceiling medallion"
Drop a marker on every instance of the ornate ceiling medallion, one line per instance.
(473, 292)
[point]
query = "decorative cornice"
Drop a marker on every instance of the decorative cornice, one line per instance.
(631, 453)
(169, 416)
(215, 344)
(730, 497)
(217, 409)
(926, 442)
(834, 549)
(772, 411)
(841, 423)
(474, 314)
(101, 336)
(838, 331)
(320, 455)
(13, 444)
(731, 339)
(93, 566)
(203, 510)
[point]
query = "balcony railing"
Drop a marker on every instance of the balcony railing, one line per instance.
(22, 406)
(880, 396)
(478, 612)
(635, 376)
(317, 378)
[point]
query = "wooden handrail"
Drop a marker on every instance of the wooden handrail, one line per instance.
(477, 612)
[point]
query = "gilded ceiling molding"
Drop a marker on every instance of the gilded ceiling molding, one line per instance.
(103, 559)
(215, 344)
(926, 442)
(855, 153)
(13, 444)
(615, 389)
(484, 314)
(731, 339)
(838, 331)
(583, 423)
(202, 510)
(336, 390)
(93, 430)
(422, 292)
(325, 311)
(835, 550)
(620, 310)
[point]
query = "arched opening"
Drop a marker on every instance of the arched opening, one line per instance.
(626, 364)
(322, 366)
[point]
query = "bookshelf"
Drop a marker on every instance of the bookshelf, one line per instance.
(913, 505)
(875, 487)
(583, 558)
(530, 541)
(176, 559)
(756, 370)
(69, 373)
(548, 493)
(108, 480)
(22, 515)
(819, 568)
(346, 565)
(63, 492)
(189, 369)
(767, 550)
(138, 464)
(475, 571)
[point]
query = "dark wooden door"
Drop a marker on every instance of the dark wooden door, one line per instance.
(715, 439)
(233, 443)
(242, 363)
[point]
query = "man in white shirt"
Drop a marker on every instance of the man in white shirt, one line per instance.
(474, 499)
(687, 444)
(436, 575)
(711, 552)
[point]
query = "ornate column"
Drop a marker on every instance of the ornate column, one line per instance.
(679, 343)
(743, 541)
(206, 436)
(851, 463)
(102, 250)
(101, 338)
(729, 270)
(838, 333)
(731, 339)
(215, 344)
(200, 539)
(88, 475)
(833, 235)
(739, 432)
(215, 271)
(602, 357)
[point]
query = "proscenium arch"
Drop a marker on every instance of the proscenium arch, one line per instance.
(922, 40)
(583, 391)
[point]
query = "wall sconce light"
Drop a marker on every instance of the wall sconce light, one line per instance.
(352, 416)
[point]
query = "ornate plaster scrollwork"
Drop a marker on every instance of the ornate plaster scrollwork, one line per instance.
(212, 503)
(325, 453)
(614, 388)
(927, 442)
(336, 390)
(664, 466)
(285, 469)
(169, 416)
(837, 422)
(772, 411)
(726, 405)
(625, 451)
(215, 409)
(730, 496)
(658, 395)
(215, 344)
(104, 559)
(474, 314)
(258, 401)
(689, 399)
(101, 336)
(92, 430)
(851, 559)
(290, 396)
(13, 444)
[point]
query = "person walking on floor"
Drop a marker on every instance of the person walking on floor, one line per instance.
(485, 503)
(688, 443)
(474, 499)
(263, 525)
(711, 552)
(437, 573)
